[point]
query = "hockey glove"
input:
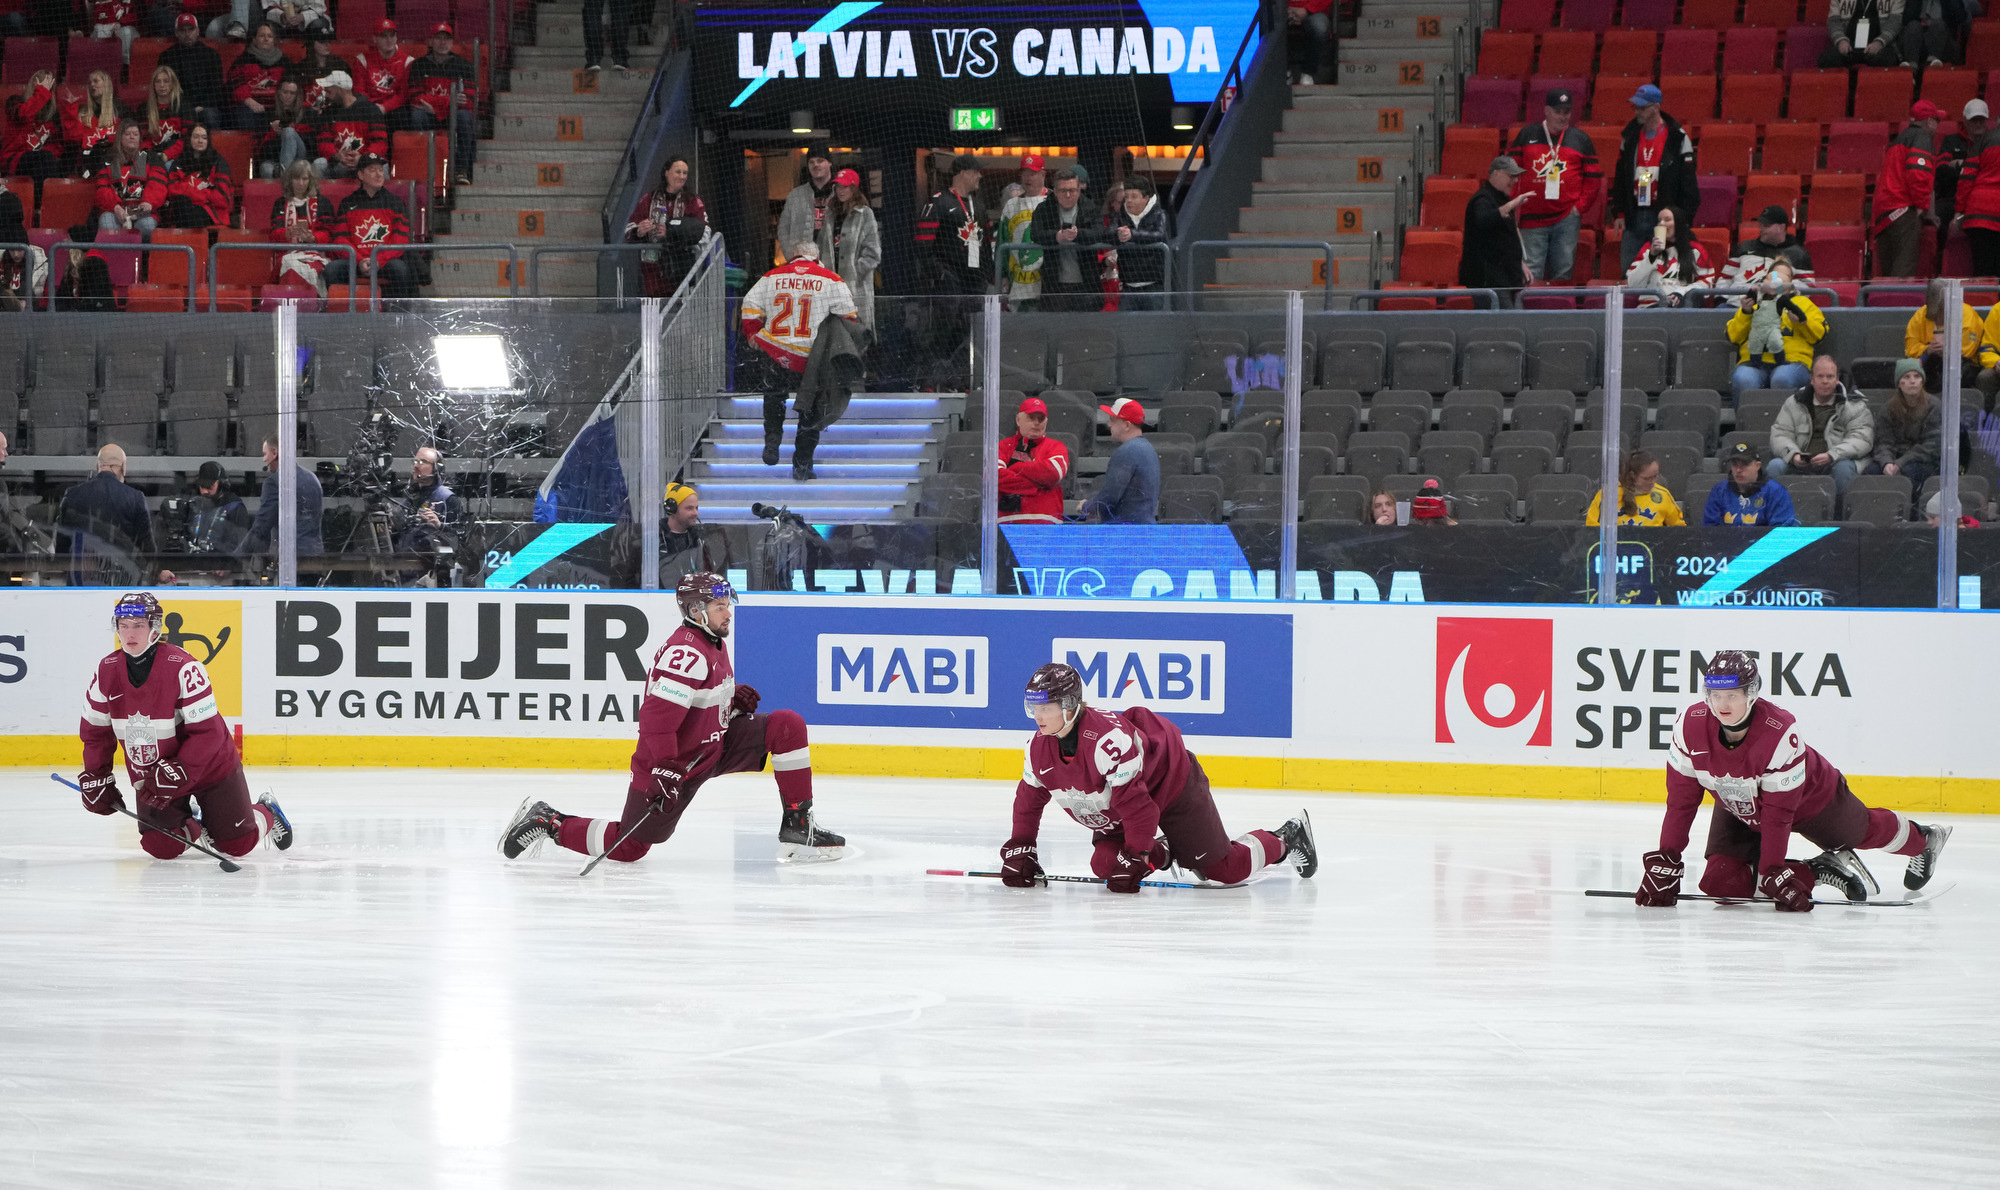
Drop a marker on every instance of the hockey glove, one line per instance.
(1790, 884)
(666, 789)
(745, 700)
(1133, 866)
(166, 782)
(1660, 882)
(100, 792)
(1020, 866)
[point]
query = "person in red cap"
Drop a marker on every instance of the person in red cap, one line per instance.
(382, 75)
(1903, 192)
(851, 243)
(1032, 468)
(432, 105)
(1130, 493)
(1023, 270)
(197, 66)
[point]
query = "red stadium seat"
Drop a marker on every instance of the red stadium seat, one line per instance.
(230, 299)
(1468, 150)
(1445, 199)
(1803, 46)
(1815, 13)
(1771, 190)
(1750, 51)
(94, 53)
(1982, 49)
(1594, 15)
(236, 148)
(145, 57)
(123, 266)
(1539, 88)
(335, 191)
(1836, 199)
(1950, 89)
(67, 202)
(1648, 14)
(156, 299)
(1688, 51)
(1565, 55)
(171, 268)
(1493, 102)
(1689, 98)
(1771, 14)
(1836, 251)
(1857, 146)
(1506, 55)
(1527, 16)
(362, 15)
(1752, 98)
(1882, 94)
(247, 268)
(1430, 257)
(258, 195)
(26, 55)
(1716, 241)
(1817, 95)
(1629, 51)
(1791, 148)
(1708, 14)
(1718, 200)
(1724, 148)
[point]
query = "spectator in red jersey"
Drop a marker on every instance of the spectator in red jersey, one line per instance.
(432, 105)
(318, 61)
(350, 129)
(300, 215)
(253, 80)
(199, 192)
(1311, 23)
(34, 137)
(197, 66)
(1979, 203)
(674, 219)
(168, 115)
(115, 18)
(369, 217)
(1903, 190)
(1562, 182)
(295, 17)
(284, 139)
(122, 203)
(1032, 468)
(382, 75)
(91, 123)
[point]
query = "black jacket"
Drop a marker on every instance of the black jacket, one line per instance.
(1676, 187)
(945, 230)
(106, 527)
(308, 500)
(199, 69)
(833, 371)
(1141, 267)
(1089, 233)
(1491, 257)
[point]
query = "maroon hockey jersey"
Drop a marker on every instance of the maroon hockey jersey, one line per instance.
(1128, 768)
(172, 715)
(686, 710)
(1769, 781)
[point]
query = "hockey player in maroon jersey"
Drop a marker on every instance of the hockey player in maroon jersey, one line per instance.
(155, 699)
(695, 723)
(1129, 778)
(1767, 784)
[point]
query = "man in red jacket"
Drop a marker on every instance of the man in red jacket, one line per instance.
(382, 74)
(1563, 180)
(1032, 468)
(369, 217)
(1903, 193)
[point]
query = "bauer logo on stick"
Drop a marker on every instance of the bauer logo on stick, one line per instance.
(1495, 681)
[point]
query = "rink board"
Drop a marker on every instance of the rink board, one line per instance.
(1395, 698)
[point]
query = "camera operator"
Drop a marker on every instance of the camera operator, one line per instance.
(685, 547)
(432, 514)
(212, 521)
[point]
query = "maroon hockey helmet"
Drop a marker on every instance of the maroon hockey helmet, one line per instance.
(1055, 684)
(696, 590)
(138, 605)
(1733, 669)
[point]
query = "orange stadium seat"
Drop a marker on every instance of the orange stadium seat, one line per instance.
(1430, 257)
(1857, 146)
(1791, 148)
(67, 202)
(1882, 94)
(171, 268)
(1752, 98)
(236, 148)
(156, 299)
(1724, 148)
(1468, 151)
(1688, 51)
(1506, 55)
(1566, 55)
(1771, 190)
(244, 268)
(1836, 199)
(1817, 95)
(1689, 98)
(1445, 199)
(1629, 51)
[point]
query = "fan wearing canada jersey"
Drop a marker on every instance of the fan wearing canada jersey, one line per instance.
(1768, 783)
(1128, 778)
(781, 315)
(155, 700)
(695, 723)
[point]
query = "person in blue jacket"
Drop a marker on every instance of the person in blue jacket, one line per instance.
(1746, 497)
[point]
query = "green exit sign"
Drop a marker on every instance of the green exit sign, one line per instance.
(975, 119)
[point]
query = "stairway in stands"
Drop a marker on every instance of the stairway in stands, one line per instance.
(1337, 158)
(558, 132)
(869, 463)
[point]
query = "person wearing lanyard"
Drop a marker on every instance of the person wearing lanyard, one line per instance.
(1563, 163)
(1655, 171)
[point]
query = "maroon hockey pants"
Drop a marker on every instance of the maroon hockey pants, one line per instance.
(1196, 839)
(1734, 848)
(230, 817)
(745, 745)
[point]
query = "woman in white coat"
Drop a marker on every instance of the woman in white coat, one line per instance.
(852, 242)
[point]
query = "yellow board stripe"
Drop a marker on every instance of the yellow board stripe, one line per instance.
(1958, 795)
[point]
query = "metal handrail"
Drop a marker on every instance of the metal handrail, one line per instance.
(1326, 299)
(375, 269)
(1355, 299)
(1597, 291)
(65, 244)
(1708, 291)
(1886, 287)
(1166, 256)
(1211, 120)
(352, 259)
(586, 248)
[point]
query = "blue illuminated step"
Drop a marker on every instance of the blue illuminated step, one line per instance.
(828, 451)
(915, 407)
(840, 431)
(776, 490)
(823, 466)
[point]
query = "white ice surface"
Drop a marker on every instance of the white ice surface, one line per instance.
(392, 1005)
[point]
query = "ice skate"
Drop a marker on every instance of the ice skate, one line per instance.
(280, 834)
(1924, 864)
(803, 841)
(533, 824)
(1297, 836)
(1842, 870)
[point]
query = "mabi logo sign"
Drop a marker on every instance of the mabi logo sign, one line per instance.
(1495, 681)
(902, 671)
(1184, 676)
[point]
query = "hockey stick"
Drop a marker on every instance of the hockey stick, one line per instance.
(622, 836)
(1044, 878)
(228, 865)
(1612, 892)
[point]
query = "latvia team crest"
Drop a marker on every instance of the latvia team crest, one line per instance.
(142, 747)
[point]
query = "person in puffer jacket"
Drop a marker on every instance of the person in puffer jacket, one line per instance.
(1824, 428)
